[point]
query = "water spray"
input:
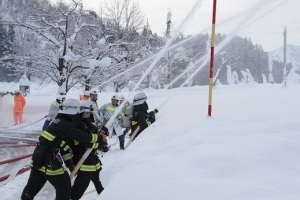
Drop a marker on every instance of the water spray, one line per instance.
(157, 58)
(205, 58)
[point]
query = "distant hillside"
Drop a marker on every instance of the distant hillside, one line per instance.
(292, 55)
(292, 63)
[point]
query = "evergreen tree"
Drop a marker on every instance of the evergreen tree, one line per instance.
(6, 49)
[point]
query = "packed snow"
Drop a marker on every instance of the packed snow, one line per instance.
(248, 150)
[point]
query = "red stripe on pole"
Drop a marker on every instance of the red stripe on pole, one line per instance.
(212, 53)
(214, 12)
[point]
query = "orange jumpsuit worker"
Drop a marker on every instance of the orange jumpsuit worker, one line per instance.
(18, 107)
(85, 96)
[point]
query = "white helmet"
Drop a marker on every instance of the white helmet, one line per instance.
(115, 97)
(93, 92)
(86, 93)
(139, 98)
(122, 98)
(70, 107)
(86, 106)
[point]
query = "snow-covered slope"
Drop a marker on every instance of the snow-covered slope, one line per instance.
(292, 55)
(248, 150)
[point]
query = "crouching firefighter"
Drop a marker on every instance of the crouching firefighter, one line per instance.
(54, 150)
(91, 167)
(141, 118)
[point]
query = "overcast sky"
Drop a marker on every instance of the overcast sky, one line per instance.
(262, 20)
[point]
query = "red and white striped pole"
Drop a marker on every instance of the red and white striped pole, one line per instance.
(212, 54)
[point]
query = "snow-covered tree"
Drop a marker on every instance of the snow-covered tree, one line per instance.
(7, 63)
(123, 15)
(68, 36)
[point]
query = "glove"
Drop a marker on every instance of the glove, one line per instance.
(105, 149)
(119, 116)
(101, 138)
(103, 130)
(102, 120)
(152, 117)
(104, 138)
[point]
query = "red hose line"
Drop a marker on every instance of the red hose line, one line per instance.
(15, 159)
(24, 169)
(17, 145)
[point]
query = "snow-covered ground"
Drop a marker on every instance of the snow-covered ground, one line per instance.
(248, 150)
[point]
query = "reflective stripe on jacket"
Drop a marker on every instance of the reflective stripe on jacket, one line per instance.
(90, 168)
(56, 141)
(107, 110)
(49, 171)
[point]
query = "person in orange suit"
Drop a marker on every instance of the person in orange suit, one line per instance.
(85, 96)
(18, 107)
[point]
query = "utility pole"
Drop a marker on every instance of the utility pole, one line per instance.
(24, 61)
(101, 11)
(168, 35)
(284, 56)
(168, 31)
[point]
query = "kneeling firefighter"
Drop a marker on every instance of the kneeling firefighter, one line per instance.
(54, 150)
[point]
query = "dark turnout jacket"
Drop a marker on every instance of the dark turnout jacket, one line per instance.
(58, 139)
(141, 117)
(92, 162)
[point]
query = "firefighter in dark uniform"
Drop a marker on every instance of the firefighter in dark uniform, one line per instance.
(54, 150)
(90, 169)
(141, 117)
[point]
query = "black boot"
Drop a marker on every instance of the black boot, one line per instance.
(99, 190)
(122, 145)
(122, 141)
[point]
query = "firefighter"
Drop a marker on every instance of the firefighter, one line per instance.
(106, 111)
(54, 108)
(125, 121)
(141, 117)
(91, 167)
(95, 113)
(18, 107)
(54, 151)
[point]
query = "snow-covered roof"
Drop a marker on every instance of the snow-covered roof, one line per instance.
(24, 81)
